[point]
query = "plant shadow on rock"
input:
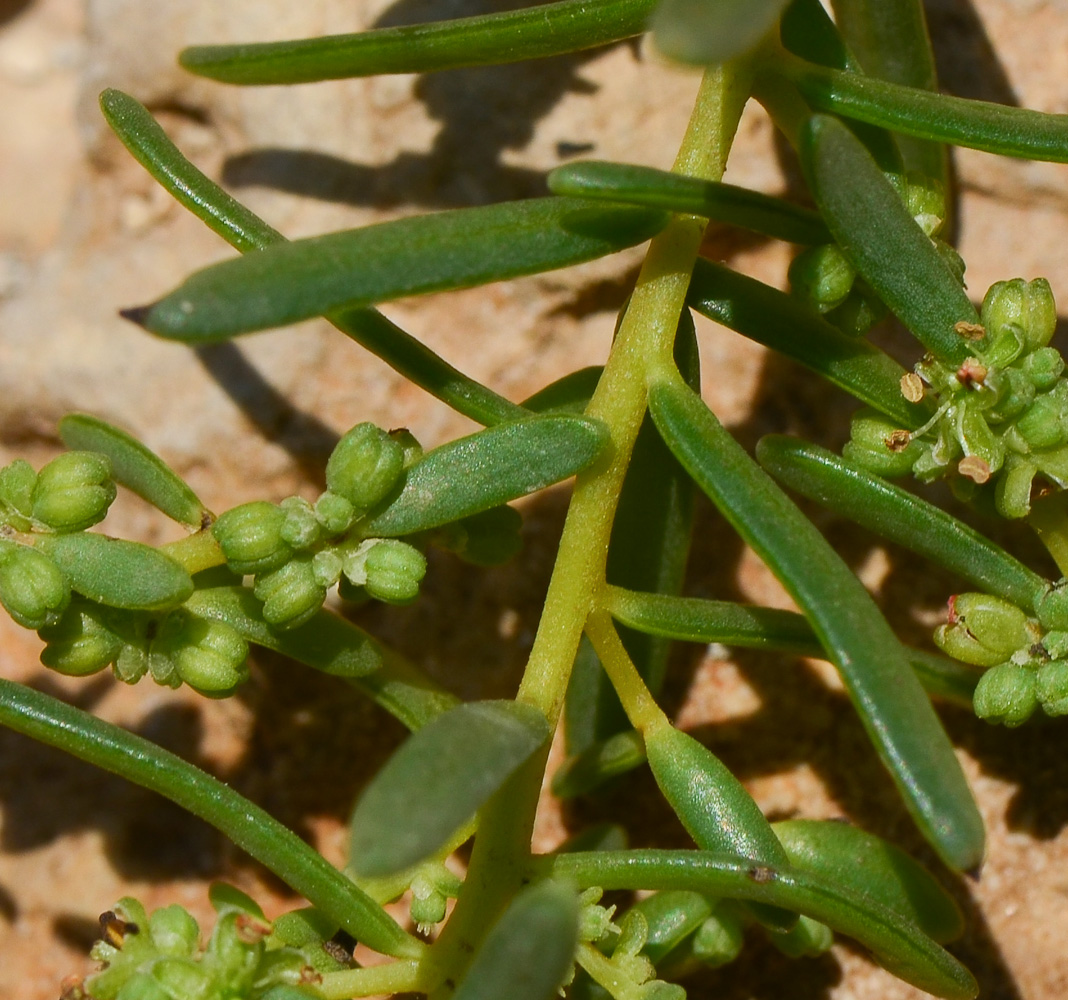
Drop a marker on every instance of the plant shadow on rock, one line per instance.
(483, 111)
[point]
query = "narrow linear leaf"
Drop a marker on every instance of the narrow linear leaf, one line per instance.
(116, 572)
(439, 778)
(254, 831)
(635, 185)
(900, 516)
(598, 762)
(776, 320)
(289, 282)
(136, 467)
(889, 39)
(489, 468)
(895, 711)
(696, 31)
(958, 121)
(335, 646)
(883, 242)
(806, 30)
(488, 40)
(695, 619)
(245, 231)
(529, 950)
(897, 944)
(869, 864)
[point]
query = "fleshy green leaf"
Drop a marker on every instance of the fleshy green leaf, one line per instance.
(289, 282)
(901, 516)
(781, 322)
(528, 952)
(892, 706)
(438, 780)
(958, 121)
(738, 206)
(869, 864)
(487, 40)
(248, 826)
(141, 135)
(492, 467)
(697, 31)
(897, 944)
(136, 467)
(883, 242)
(118, 573)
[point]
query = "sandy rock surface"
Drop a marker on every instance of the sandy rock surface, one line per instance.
(83, 232)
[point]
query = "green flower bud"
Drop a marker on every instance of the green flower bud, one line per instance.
(250, 537)
(822, 277)
(672, 915)
(879, 446)
(1013, 392)
(1012, 496)
(326, 568)
(859, 312)
(291, 594)
(1052, 607)
(926, 202)
(976, 438)
(17, 481)
(79, 643)
(183, 979)
(73, 491)
(413, 450)
(174, 931)
(1055, 643)
(235, 949)
(32, 589)
(1019, 310)
(427, 909)
(1006, 694)
(808, 939)
(141, 986)
(1043, 367)
(365, 466)
(394, 570)
(983, 630)
(209, 656)
(719, 939)
(1045, 424)
(1051, 686)
(334, 513)
(163, 667)
(300, 527)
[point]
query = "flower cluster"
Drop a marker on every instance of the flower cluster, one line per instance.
(1026, 657)
(823, 278)
(1000, 417)
(160, 957)
(297, 550)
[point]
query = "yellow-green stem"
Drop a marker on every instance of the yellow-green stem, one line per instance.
(1049, 518)
(641, 708)
(644, 341)
(396, 977)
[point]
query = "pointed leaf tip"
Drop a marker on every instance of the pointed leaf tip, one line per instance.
(137, 314)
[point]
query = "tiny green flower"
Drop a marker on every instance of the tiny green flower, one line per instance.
(300, 527)
(983, 630)
(365, 466)
(394, 570)
(822, 277)
(334, 513)
(250, 537)
(32, 589)
(290, 594)
(79, 643)
(1006, 694)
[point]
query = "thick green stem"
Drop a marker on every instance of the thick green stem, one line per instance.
(645, 341)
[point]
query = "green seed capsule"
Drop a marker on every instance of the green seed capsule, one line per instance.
(1051, 606)
(822, 277)
(671, 915)
(1012, 495)
(365, 466)
(79, 643)
(184, 979)
(73, 491)
(291, 594)
(32, 589)
(926, 202)
(211, 656)
(983, 630)
(429, 909)
(250, 537)
(300, 527)
(234, 951)
(334, 513)
(879, 446)
(17, 481)
(1051, 686)
(394, 570)
(1006, 694)
(719, 939)
(1043, 367)
(174, 931)
(141, 986)
(1045, 424)
(131, 664)
(1021, 310)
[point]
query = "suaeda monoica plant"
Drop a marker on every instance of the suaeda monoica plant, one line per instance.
(985, 407)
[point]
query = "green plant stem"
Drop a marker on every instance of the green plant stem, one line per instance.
(646, 336)
(78, 733)
(641, 708)
(196, 552)
(396, 977)
(1049, 518)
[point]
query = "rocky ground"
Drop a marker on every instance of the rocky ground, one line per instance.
(84, 232)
